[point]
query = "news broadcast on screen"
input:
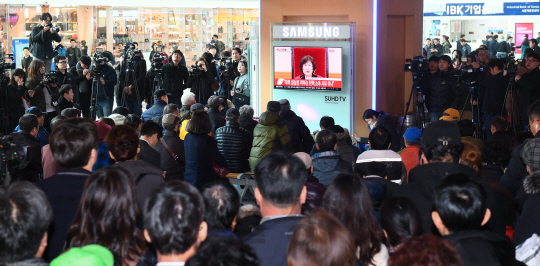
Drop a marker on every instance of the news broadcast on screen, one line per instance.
(308, 68)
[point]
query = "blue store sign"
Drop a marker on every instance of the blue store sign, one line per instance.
(510, 9)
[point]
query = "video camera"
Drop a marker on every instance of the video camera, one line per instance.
(225, 69)
(7, 65)
(130, 53)
(13, 155)
(50, 25)
(195, 70)
(418, 66)
(98, 63)
(49, 78)
(512, 65)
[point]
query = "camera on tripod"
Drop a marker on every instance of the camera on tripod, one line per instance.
(157, 64)
(512, 65)
(50, 25)
(418, 66)
(13, 154)
(7, 65)
(130, 53)
(98, 63)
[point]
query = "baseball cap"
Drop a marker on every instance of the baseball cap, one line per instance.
(273, 106)
(35, 111)
(160, 93)
(214, 101)
(197, 107)
(232, 112)
(70, 112)
(213, 41)
(90, 255)
(306, 159)
(442, 133)
(103, 129)
(450, 114)
(413, 134)
(531, 154)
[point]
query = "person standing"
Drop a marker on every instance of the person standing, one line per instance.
(437, 48)
(446, 44)
(200, 81)
(73, 53)
(84, 48)
(131, 89)
(241, 86)
(105, 53)
(219, 44)
(26, 60)
(83, 79)
(42, 37)
(493, 45)
(175, 77)
(428, 47)
(459, 45)
(503, 49)
(511, 45)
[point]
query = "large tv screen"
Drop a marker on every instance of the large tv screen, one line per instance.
(307, 68)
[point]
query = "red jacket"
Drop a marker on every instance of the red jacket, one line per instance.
(411, 157)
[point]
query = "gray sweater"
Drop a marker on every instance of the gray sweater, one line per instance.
(242, 83)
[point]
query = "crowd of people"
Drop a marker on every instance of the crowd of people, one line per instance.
(152, 188)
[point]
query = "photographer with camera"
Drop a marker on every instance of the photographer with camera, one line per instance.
(83, 80)
(529, 84)
(211, 67)
(440, 89)
(105, 53)
(41, 89)
(175, 77)
(223, 74)
(495, 92)
(42, 37)
(104, 80)
(131, 87)
(28, 129)
(200, 81)
(62, 73)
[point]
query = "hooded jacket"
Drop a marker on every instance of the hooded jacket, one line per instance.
(234, 143)
(301, 138)
(271, 134)
(326, 168)
(146, 177)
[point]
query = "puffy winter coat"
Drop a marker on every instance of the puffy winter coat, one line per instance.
(155, 110)
(271, 134)
(300, 136)
(234, 143)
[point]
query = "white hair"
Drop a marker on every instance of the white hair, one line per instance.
(187, 98)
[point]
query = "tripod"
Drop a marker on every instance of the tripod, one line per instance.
(420, 114)
(515, 108)
(472, 96)
(130, 79)
(158, 82)
(93, 99)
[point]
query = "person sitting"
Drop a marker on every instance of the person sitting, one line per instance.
(426, 250)
(379, 143)
(246, 119)
(108, 205)
(103, 157)
(315, 190)
(527, 224)
(201, 151)
(410, 156)
(499, 127)
(467, 131)
(376, 119)
(26, 216)
(217, 250)
(33, 171)
(193, 108)
(343, 148)
(42, 135)
(66, 97)
(327, 163)
(399, 221)
(70, 113)
(299, 132)
(471, 156)
(214, 109)
(150, 134)
(134, 121)
(270, 135)
(330, 243)
(460, 210)
(450, 114)
(174, 222)
(171, 149)
(380, 188)
(441, 149)
(234, 143)
(188, 100)
(280, 193)
(50, 166)
(359, 219)
(160, 101)
(170, 108)
(74, 145)
(88, 253)
(123, 144)
(495, 158)
(221, 205)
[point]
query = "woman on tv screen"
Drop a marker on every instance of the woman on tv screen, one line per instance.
(308, 67)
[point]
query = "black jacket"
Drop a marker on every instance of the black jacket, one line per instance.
(248, 124)
(34, 170)
(271, 238)
(529, 85)
(440, 49)
(65, 78)
(149, 155)
(39, 95)
(42, 43)
(502, 136)
(385, 121)
(503, 47)
(174, 82)
(146, 176)
(64, 104)
(25, 63)
(174, 169)
(109, 56)
(234, 143)
(516, 170)
(76, 52)
(300, 136)
(83, 84)
(15, 104)
(483, 248)
(440, 90)
(528, 222)
(216, 119)
(107, 91)
(421, 185)
(201, 86)
(495, 93)
(64, 191)
(201, 152)
(124, 80)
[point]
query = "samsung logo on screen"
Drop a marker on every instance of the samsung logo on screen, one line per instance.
(312, 32)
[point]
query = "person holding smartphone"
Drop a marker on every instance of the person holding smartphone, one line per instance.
(200, 81)
(241, 86)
